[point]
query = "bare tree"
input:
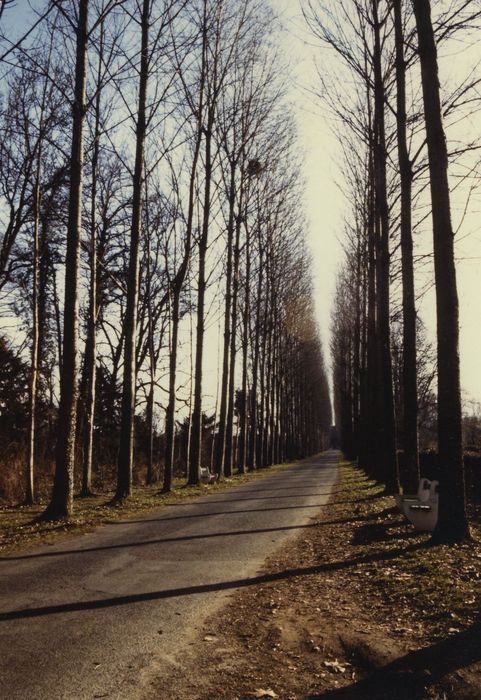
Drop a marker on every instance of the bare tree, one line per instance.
(126, 446)
(452, 521)
(34, 365)
(61, 503)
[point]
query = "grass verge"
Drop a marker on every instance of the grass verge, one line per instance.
(440, 584)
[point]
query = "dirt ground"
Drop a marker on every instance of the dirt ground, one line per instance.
(357, 606)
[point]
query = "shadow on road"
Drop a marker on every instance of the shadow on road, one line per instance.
(186, 538)
(318, 506)
(250, 498)
(205, 588)
(162, 540)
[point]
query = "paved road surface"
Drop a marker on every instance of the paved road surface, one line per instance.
(96, 616)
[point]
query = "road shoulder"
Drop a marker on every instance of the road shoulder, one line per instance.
(358, 606)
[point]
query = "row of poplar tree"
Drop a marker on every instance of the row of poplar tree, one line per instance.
(396, 174)
(149, 172)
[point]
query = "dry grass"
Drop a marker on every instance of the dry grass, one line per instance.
(358, 605)
(358, 587)
(442, 583)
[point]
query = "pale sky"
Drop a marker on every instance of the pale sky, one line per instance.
(326, 205)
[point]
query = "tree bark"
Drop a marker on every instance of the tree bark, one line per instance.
(170, 412)
(242, 451)
(91, 343)
(30, 466)
(220, 450)
(150, 477)
(61, 503)
(126, 447)
(196, 437)
(410, 471)
(229, 440)
(177, 291)
(251, 459)
(385, 417)
(452, 525)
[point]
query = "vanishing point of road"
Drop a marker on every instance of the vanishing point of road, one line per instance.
(96, 616)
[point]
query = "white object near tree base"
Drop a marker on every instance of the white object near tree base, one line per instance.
(421, 509)
(206, 476)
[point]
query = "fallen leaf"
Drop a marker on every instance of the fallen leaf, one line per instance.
(261, 693)
(336, 667)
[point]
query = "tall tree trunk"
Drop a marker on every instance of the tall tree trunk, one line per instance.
(262, 371)
(191, 385)
(178, 284)
(126, 446)
(61, 503)
(386, 421)
(170, 412)
(267, 392)
(37, 300)
(253, 424)
(229, 441)
(44, 367)
(371, 456)
(357, 348)
(452, 522)
(196, 438)
(220, 448)
(273, 417)
(91, 343)
(242, 451)
(30, 466)
(43, 283)
(58, 319)
(278, 447)
(150, 477)
(175, 316)
(364, 387)
(410, 471)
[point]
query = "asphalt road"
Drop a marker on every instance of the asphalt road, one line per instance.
(98, 615)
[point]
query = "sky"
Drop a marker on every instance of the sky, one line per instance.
(324, 201)
(326, 204)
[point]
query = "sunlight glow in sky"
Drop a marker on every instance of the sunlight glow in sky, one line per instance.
(326, 205)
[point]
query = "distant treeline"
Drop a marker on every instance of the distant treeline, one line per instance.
(150, 191)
